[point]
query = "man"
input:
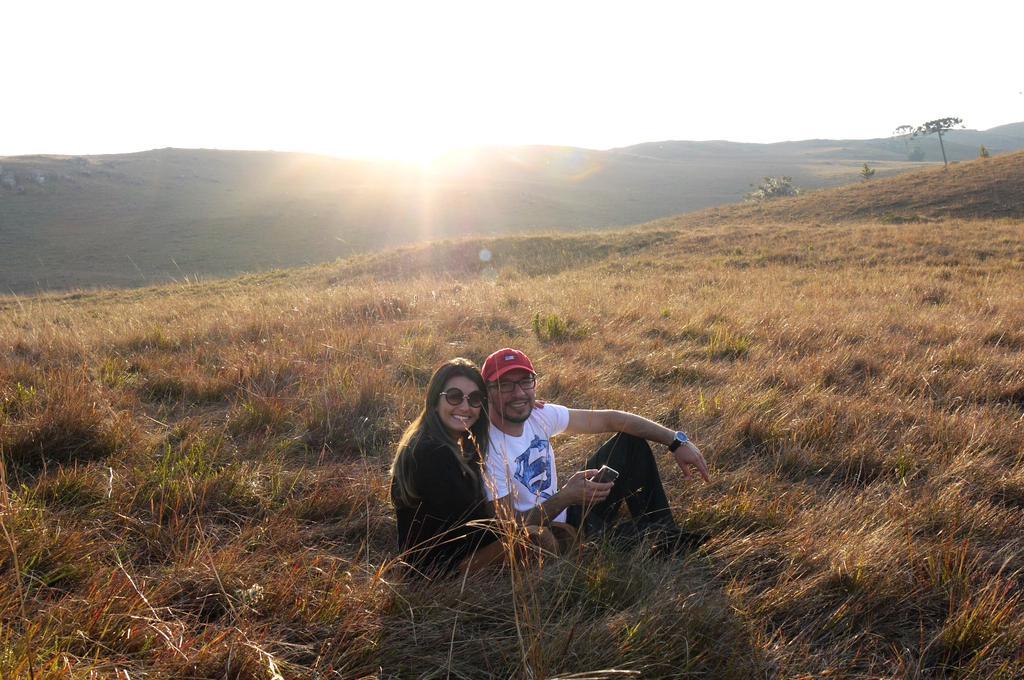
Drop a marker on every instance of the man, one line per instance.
(521, 466)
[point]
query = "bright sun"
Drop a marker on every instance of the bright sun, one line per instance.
(423, 151)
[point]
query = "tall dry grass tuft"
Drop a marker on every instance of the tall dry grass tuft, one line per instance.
(352, 415)
(64, 421)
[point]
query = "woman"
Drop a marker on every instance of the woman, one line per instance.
(445, 521)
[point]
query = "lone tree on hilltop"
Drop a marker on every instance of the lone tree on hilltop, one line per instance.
(937, 126)
(866, 172)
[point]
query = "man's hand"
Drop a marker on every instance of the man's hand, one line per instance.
(687, 456)
(580, 490)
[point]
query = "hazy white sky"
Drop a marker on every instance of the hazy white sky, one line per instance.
(406, 79)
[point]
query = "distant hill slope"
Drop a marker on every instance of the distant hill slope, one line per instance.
(134, 219)
(986, 188)
(960, 145)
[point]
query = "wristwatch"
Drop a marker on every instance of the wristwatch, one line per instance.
(680, 439)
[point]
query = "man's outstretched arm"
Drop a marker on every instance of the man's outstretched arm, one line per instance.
(582, 421)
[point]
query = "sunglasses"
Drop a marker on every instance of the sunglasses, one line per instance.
(455, 396)
(509, 386)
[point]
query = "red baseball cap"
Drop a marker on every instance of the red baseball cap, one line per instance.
(503, 361)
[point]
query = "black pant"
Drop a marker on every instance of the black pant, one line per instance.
(638, 483)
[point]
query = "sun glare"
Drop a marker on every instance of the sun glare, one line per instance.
(424, 153)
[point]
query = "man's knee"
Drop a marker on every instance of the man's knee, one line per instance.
(631, 441)
(629, 450)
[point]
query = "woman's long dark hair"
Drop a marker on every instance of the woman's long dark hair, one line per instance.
(428, 425)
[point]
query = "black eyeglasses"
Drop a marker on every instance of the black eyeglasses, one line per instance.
(509, 386)
(455, 396)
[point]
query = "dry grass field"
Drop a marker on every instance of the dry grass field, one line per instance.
(196, 476)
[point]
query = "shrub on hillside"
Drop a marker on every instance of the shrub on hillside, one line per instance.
(773, 187)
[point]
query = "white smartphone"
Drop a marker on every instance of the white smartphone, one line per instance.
(605, 475)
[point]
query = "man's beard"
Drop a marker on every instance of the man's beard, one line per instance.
(517, 418)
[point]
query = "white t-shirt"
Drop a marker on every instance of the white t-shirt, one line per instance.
(524, 466)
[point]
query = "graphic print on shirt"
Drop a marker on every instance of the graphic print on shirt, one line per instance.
(535, 474)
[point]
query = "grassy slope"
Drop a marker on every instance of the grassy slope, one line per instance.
(984, 188)
(197, 473)
(134, 219)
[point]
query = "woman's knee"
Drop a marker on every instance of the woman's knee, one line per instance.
(565, 534)
(543, 539)
(486, 556)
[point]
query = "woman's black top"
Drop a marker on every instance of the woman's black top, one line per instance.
(434, 535)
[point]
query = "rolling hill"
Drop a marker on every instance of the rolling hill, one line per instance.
(983, 189)
(173, 214)
(960, 145)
